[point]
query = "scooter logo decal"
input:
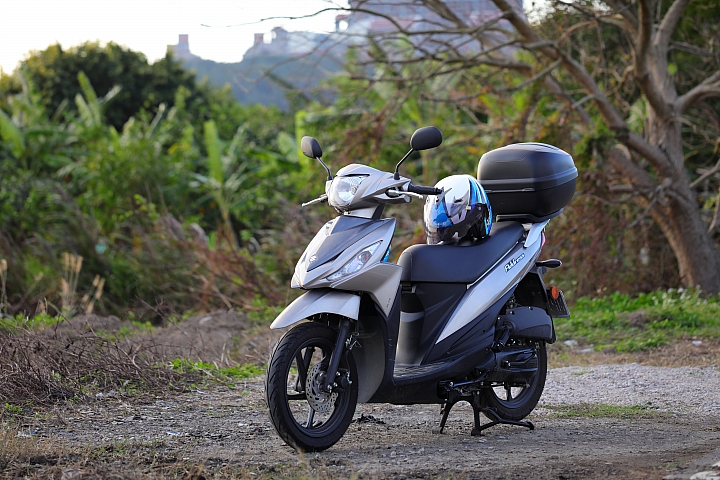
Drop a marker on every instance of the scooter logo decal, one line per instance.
(513, 262)
(313, 258)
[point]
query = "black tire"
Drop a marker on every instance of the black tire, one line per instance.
(523, 398)
(308, 347)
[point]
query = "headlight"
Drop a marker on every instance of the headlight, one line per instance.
(342, 190)
(356, 264)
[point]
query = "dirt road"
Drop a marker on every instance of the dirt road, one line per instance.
(227, 433)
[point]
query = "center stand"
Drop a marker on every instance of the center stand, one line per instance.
(454, 396)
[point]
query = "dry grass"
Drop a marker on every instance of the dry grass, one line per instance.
(678, 354)
(41, 369)
(41, 458)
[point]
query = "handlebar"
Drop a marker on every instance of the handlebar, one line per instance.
(423, 190)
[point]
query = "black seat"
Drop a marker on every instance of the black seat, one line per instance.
(456, 263)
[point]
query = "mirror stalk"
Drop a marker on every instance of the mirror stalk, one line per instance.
(397, 167)
(326, 168)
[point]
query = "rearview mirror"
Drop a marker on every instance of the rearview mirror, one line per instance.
(310, 147)
(425, 138)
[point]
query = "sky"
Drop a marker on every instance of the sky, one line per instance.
(219, 30)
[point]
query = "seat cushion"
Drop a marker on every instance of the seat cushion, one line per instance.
(459, 263)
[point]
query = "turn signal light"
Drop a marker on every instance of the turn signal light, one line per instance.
(554, 292)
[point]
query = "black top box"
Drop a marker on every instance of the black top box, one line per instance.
(527, 181)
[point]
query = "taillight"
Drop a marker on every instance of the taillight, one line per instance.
(543, 239)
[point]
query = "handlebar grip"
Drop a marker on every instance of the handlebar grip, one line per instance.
(423, 190)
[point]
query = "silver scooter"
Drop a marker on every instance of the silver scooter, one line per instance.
(448, 323)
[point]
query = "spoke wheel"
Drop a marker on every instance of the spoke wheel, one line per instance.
(303, 414)
(514, 401)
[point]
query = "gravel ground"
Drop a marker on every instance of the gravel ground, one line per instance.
(684, 390)
(226, 432)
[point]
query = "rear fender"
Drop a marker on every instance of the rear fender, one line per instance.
(531, 292)
(315, 302)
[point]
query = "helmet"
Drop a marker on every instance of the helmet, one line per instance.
(462, 208)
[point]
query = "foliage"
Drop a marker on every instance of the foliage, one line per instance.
(602, 410)
(128, 200)
(624, 323)
(242, 371)
(373, 117)
(142, 86)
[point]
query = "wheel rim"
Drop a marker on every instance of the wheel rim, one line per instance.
(513, 395)
(314, 412)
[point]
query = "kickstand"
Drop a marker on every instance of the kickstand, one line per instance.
(453, 398)
(477, 408)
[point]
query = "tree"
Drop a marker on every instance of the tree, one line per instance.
(54, 71)
(638, 96)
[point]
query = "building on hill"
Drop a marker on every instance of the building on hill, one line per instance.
(181, 51)
(285, 43)
(297, 61)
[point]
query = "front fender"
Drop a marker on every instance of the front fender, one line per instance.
(322, 300)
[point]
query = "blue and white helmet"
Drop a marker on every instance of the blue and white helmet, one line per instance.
(462, 208)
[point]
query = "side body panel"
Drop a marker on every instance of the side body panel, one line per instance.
(492, 286)
(380, 281)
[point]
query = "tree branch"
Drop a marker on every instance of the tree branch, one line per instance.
(614, 120)
(710, 87)
(706, 175)
(716, 217)
(642, 51)
(621, 159)
(551, 50)
(672, 17)
(623, 9)
(692, 49)
(653, 154)
(534, 78)
(558, 90)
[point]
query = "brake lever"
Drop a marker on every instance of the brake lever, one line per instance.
(397, 193)
(321, 198)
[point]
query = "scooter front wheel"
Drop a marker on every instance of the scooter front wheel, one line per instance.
(304, 415)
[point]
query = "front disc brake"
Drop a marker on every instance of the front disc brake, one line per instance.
(319, 400)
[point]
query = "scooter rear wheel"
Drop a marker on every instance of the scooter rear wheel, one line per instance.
(513, 401)
(307, 418)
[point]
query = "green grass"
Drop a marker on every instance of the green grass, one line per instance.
(12, 409)
(237, 372)
(601, 410)
(628, 324)
(35, 322)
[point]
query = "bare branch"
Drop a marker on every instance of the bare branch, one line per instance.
(687, 48)
(299, 17)
(614, 120)
(710, 87)
(716, 217)
(631, 21)
(534, 78)
(653, 154)
(642, 51)
(621, 159)
(573, 67)
(706, 175)
(672, 17)
(557, 89)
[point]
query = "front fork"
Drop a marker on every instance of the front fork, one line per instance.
(331, 372)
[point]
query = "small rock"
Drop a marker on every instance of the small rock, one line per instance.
(697, 343)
